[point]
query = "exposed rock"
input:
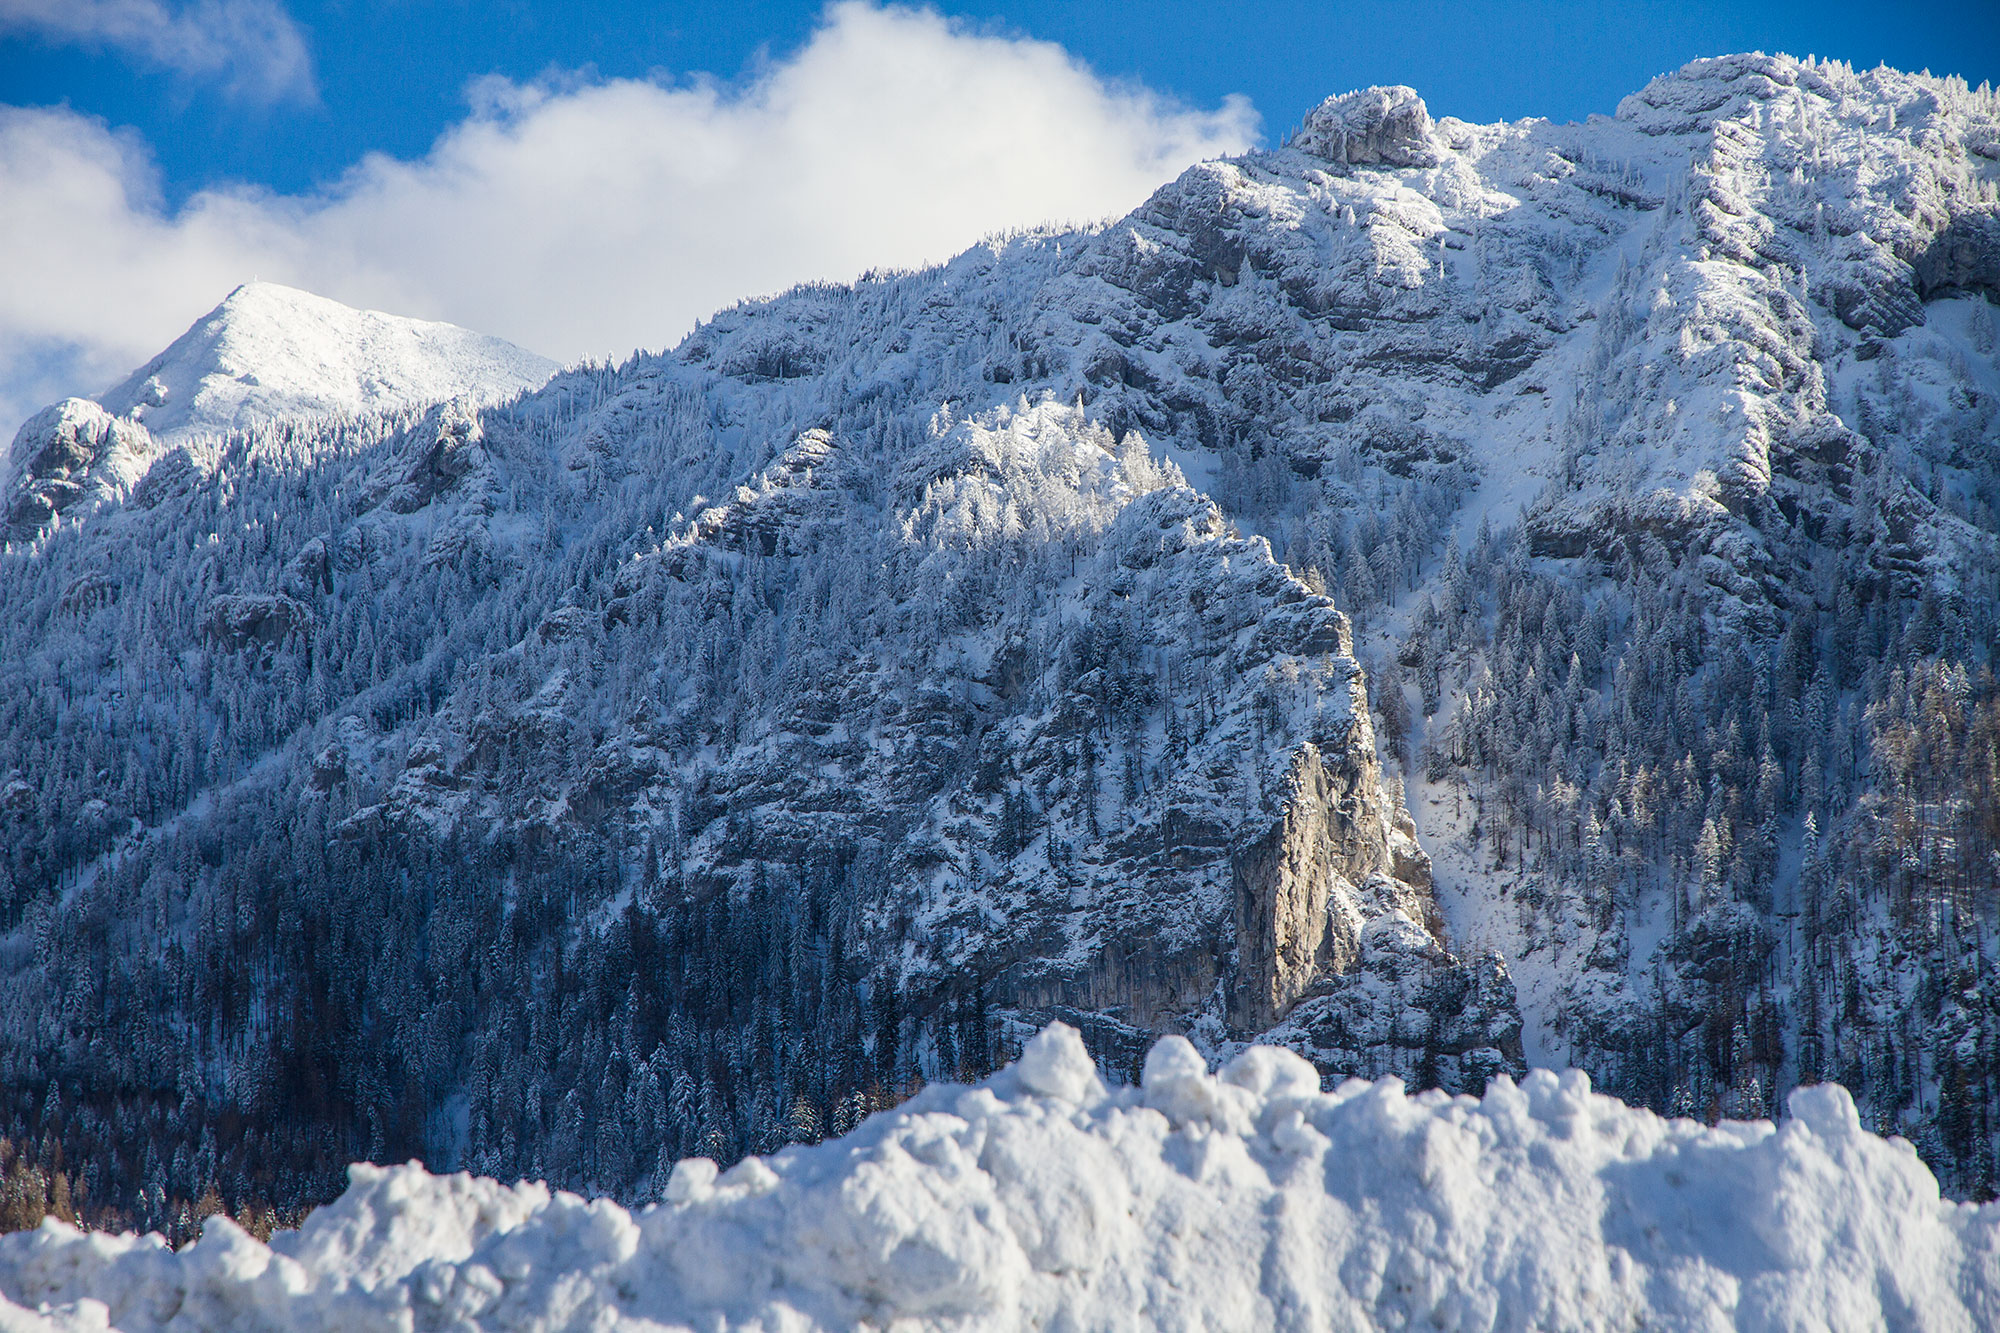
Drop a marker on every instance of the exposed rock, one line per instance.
(1400, 1008)
(310, 572)
(844, 763)
(65, 453)
(1373, 127)
(1299, 910)
(435, 455)
(173, 475)
(1965, 256)
(235, 621)
(566, 622)
(88, 592)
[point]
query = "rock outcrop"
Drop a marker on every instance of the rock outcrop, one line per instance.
(67, 454)
(1387, 127)
(1300, 902)
(237, 621)
(433, 457)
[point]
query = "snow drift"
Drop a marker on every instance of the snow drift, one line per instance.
(1248, 1199)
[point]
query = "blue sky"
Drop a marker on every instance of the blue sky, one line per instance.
(588, 177)
(390, 75)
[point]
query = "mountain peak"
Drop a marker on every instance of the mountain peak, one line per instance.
(1388, 126)
(268, 349)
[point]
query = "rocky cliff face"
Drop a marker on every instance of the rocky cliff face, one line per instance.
(1299, 901)
(919, 734)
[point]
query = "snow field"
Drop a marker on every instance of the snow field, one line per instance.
(1040, 1198)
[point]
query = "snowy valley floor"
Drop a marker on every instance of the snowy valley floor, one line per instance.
(1247, 1199)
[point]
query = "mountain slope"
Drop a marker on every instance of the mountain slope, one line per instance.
(726, 742)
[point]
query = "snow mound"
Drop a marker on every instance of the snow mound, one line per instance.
(270, 351)
(1247, 1199)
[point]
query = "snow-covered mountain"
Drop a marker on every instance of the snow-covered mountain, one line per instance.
(1247, 1199)
(271, 351)
(1440, 597)
(267, 352)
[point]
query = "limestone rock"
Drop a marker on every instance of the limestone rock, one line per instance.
(1388, 127)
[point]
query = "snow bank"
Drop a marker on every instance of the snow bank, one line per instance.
(1040, 1198)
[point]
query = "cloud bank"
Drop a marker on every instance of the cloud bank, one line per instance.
(252, 46)
(597, 216)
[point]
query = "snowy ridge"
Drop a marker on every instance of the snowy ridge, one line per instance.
(1247, 1199)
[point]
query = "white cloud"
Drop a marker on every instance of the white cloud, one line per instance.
(594, 218)
(252, 46)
